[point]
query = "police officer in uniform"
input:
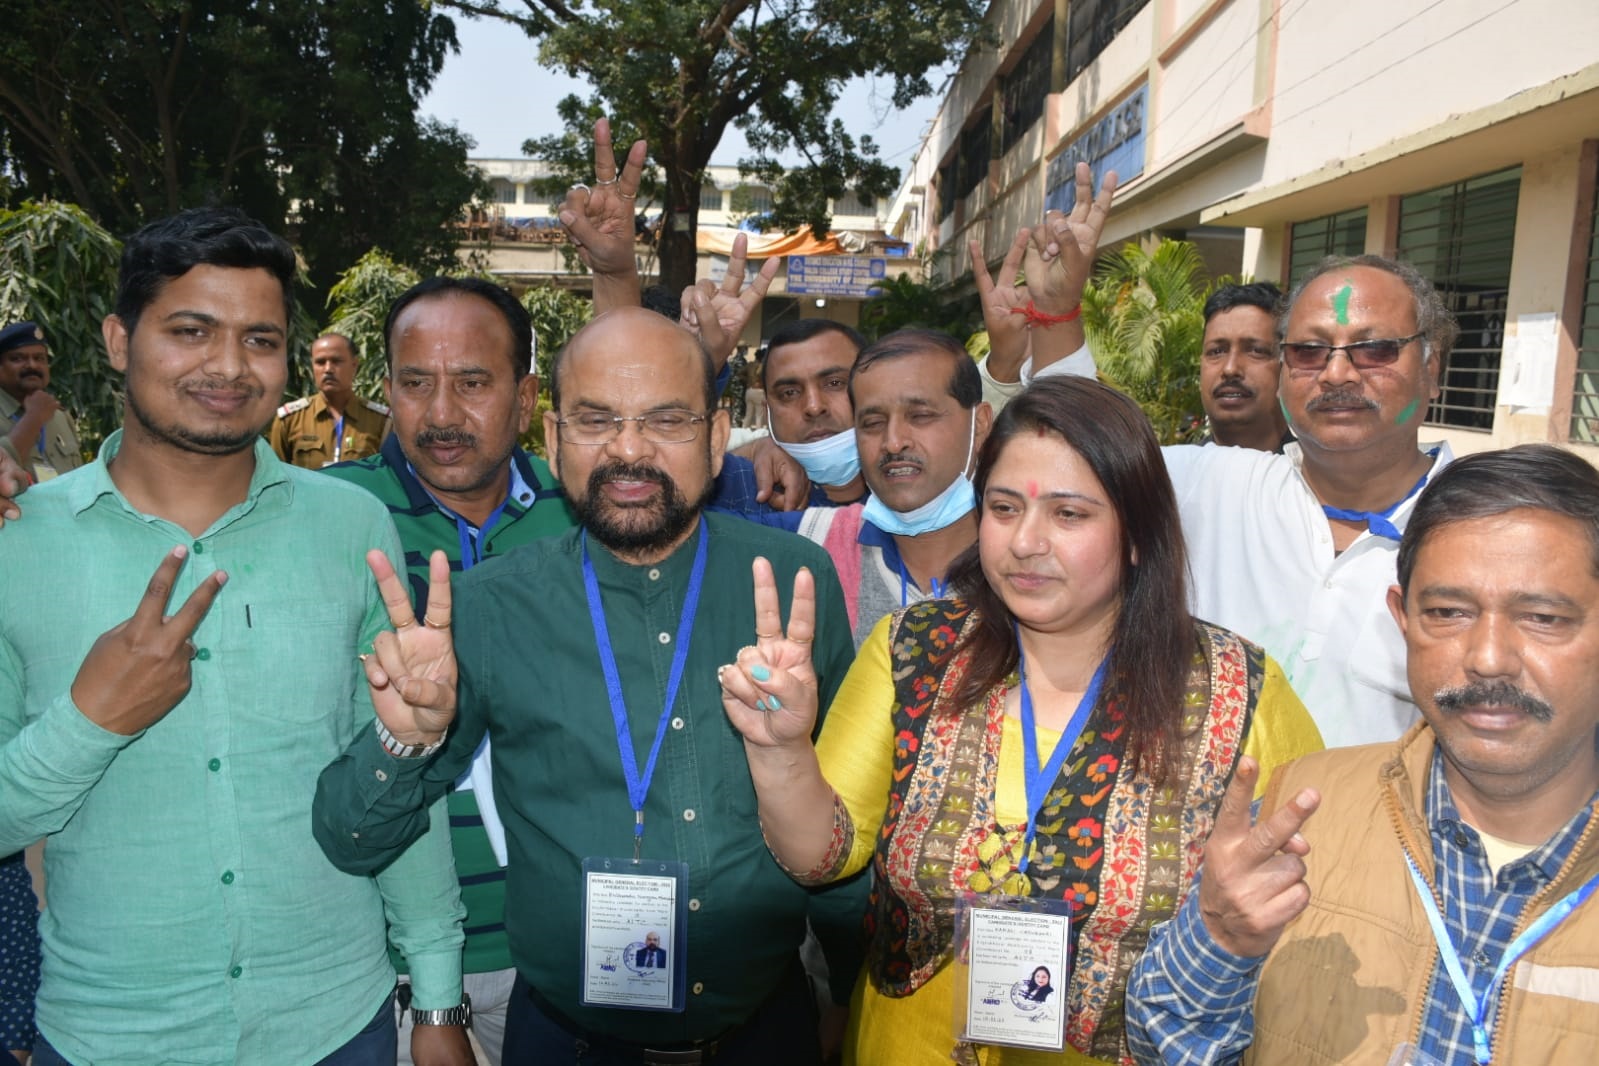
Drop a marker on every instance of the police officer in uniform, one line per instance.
(34, 429)
(335, 425)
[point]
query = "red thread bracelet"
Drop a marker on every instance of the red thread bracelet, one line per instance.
(1035, 317)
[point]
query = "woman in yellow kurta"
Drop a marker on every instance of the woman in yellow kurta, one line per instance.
(1069, 617)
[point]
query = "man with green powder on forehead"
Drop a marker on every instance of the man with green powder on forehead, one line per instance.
(1296, 551)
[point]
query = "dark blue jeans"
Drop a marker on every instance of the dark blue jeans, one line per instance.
(373, 1046)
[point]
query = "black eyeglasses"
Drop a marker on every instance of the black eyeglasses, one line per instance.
(1363, 355)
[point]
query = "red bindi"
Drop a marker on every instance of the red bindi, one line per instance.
(1032, 490)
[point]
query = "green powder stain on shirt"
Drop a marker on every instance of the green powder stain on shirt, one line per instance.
(1341, 303)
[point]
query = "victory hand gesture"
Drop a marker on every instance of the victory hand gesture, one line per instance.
(718, 313)
(1064, 247)
(599, 220)
(770, 692)
(411, 670)
(1003, 302)
(1253, 881)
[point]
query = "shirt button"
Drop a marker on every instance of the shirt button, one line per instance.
(199, 548)
(655, 575)
(203, 654)
(382, 775)
(236, 972)
(693, 904)
(1327, 584)
(699, 986)
(677, 723)
(1461, 839)
(688, 815)
(1480, 958)
(214, 765)
(227, 877)
(665, 638)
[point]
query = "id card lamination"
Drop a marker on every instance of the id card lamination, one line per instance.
(1011, 959)
(634, 928)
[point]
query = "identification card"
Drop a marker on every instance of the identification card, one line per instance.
(43, 472)
(1012, 965)
(634, 933)
(1411, 1055)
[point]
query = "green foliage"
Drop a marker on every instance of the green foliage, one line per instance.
(1144, 316)
(902, 301)
(359, 303)
(684, 70)
(300, 112)
(60, 269)
(557, 314)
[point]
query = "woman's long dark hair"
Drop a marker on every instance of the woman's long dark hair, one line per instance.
(1153, 636)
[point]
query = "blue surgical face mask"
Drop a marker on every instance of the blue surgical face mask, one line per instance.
(945, 509)
(830, 461)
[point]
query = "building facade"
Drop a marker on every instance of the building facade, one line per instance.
(1462, 135)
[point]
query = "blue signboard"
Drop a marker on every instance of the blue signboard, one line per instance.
(1115, 142)
(835, 275)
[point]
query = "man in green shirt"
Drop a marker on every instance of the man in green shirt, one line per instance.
(460, 391)
(637, 439)
(164, 734)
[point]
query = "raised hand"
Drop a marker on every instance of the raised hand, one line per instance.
(1065, 246)
(718, 313)
(770, 692)
(1003, 303)
(599, 219)
(1253, 881)
(12, 484)
(411, 670)
(138, 670)
(779, 479)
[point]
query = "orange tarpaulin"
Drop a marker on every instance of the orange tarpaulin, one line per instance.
(718, 240)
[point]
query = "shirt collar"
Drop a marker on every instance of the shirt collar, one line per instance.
(95, 482)
(876, 537)
(1440, 452)
(1444, 821)
(523, 489)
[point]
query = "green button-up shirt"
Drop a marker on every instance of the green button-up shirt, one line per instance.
(192, 918)
(531, 677)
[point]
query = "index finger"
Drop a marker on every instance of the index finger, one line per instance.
(980, 274)
(1099, 210)
(1272, 834)
(1013, 258)
(604, 157)
(735, 265)
(768, 614)
(192, 613)
(389, 587)
(153, 604)
(1233, 816)
(439, 602)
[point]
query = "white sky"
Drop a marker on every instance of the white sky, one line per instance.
(495, 90)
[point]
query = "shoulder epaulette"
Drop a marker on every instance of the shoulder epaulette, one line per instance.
(381, 409)
(293, 406)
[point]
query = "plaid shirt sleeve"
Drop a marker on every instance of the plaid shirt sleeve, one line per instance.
(1189, 1002)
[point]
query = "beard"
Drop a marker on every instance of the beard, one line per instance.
(638, 527)
(215, 441)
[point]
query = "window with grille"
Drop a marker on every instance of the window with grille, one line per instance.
(752, 200)
(1023, 90)
(975, 156)
(946, 190)
(1312, 241)
(1460, 236)
(1585, 395)
(851, 204)
(710, 198)
(504, 191)
(1092, 25)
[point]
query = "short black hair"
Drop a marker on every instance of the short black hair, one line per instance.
(170, 247)
(802, 330)
(1262, 294)
(516, 316)
(707, 366)
(1537, 476)
(965, 383)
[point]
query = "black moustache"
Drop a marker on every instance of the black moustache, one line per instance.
(1341, 398)
(1493, 694)
(429, 437)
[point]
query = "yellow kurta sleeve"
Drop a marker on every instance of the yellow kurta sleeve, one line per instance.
(1281, 729)
(856, 748)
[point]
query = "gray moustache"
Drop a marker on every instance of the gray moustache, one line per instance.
(1493, 694)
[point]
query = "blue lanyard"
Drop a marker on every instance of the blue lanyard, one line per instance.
(1039, 779)
(939, 587)
(1378, 521)
(639, 787)
(1478, 1011)
(471, 546)
(338, 438)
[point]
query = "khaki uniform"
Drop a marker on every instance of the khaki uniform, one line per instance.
(302, 433)
(61, 453)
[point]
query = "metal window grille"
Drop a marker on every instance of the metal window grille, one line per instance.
(1461, 237)
(946, 190)
(1092, 25)
(976, 146)
(504, 191)
(1024, 89)
(1314, 240)
(1585, 393)
(710, 198)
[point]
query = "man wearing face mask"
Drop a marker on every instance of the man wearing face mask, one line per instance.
(806, 379)
(919, 420)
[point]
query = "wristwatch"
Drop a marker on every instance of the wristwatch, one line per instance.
(457, 1015)
(402, 750)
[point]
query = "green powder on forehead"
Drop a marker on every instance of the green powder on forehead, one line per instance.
(1341, 303)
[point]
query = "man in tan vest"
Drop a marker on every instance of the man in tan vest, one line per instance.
(1425, 901)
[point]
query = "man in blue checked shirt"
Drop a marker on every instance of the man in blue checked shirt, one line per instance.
(1426, 901)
